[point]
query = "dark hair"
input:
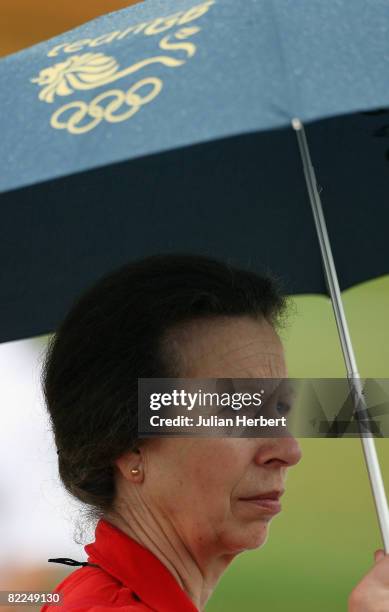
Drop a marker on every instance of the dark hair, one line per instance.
(112, 336)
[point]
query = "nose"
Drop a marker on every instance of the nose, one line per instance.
(278, 452)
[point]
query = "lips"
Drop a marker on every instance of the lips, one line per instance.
(268, 502)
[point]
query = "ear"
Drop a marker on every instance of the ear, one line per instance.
(131, 465)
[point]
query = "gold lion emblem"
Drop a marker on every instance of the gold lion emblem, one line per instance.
(79, 72)
(91, 70)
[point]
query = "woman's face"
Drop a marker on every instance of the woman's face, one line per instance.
(202, 484)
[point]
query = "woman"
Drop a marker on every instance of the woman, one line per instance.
(172, 512)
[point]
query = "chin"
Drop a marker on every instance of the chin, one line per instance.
(249, 537)
(258, 536)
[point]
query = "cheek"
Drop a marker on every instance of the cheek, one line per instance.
(216, 471)
(199, 474)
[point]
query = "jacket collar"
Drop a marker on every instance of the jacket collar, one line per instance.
(137, 568)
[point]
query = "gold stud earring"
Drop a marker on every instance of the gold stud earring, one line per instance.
(135, 471)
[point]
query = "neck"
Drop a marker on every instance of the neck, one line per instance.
(196, 570)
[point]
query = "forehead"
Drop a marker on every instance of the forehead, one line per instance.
(228, 347)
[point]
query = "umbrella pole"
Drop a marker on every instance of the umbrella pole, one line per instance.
(368, 445)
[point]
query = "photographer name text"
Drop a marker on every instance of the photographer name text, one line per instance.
(216, 421)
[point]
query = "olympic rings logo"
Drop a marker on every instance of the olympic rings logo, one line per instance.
(79, 117)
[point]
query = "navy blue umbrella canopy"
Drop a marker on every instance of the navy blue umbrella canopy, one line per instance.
(166, 127)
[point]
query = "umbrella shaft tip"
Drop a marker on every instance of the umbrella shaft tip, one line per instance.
(296, 124)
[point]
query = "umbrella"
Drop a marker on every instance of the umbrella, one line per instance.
(172, 127)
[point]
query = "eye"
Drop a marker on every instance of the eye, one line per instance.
(283, 408)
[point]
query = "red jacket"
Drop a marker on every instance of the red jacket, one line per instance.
(129, 579)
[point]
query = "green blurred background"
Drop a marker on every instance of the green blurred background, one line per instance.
(323, 542)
